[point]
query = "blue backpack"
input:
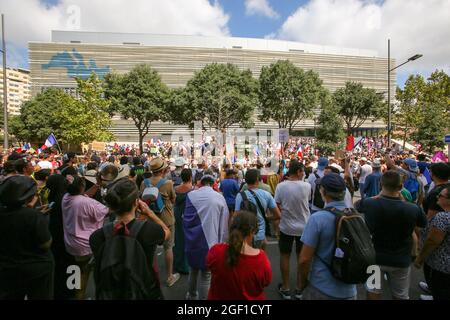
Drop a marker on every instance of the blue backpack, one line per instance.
(412, 185)
(158, 205)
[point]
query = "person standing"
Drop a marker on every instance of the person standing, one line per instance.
(364, 171)
(26, 262)
(435, 254)
(205, 224)
(316, 280)
(81, 217)
(254, 194)
(292, 198)
(372, 185)
(312, 179)
(239, 271)
(229, 188)
(159, 167)
(392, 221)
(180, 264)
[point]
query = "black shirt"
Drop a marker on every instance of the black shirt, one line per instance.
(22, 231)
(149, 237)
(391, 222)
(430, 202)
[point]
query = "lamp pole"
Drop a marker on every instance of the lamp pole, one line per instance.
(5, 90)
(415, 57)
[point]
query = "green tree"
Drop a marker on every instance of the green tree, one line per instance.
(87, 119)
(330, 133)
(435, 109)
(71, 120)
(356, 104)
(139, 95)
(219, 95)
(408, 115)
(39, 116)
(287, 94)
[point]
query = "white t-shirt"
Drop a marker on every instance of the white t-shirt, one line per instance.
(45, 164)
(293, 197)
(365, 171)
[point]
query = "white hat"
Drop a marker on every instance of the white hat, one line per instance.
(179, 162)
(376, 163)
(91, 176)
(363, 159)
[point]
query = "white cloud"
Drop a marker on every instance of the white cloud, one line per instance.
(31, 20)
(413, 27)
(260, 7)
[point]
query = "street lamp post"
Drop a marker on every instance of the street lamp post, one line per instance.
(415, 57)
(5, 90)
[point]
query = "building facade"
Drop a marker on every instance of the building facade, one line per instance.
(18, 87)
(176, 58)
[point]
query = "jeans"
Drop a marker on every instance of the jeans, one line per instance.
(203, 286)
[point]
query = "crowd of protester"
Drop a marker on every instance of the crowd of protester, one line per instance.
(108, 212)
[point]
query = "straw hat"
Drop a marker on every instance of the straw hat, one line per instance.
(157, 165)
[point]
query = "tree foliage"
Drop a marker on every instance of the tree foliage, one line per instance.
(330, 133)
(72, 121)
(288, 94)
(435, 112)
(139, 95)
(356, 104)
(219, 95)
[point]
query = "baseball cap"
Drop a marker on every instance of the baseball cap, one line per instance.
(322, 163)
(333, 182)
(411, 163)
(16, 190)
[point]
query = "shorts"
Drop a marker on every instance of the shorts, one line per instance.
(169, 243)
(286, 242)
(398, 279)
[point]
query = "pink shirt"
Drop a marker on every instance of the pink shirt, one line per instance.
(81, 217)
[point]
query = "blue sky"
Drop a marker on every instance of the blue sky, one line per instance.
(414, 26)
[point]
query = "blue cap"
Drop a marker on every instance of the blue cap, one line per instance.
(322, 163)
(411, 163)
(333, 182)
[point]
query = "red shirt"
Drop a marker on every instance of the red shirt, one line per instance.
(245, 281)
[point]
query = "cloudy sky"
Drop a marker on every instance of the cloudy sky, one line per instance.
(414, 26)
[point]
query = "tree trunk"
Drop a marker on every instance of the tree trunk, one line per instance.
(141, 139)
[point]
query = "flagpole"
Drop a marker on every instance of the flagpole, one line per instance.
(60, 151)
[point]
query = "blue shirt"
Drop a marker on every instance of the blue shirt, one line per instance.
(267, 201)
(230, 189)
(372, 186)
(320, 233)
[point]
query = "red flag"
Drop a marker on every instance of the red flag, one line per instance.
(350, 143)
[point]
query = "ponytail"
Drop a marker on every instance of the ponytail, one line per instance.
(243, 225)
(235, 243)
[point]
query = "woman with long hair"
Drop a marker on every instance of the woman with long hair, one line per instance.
(239, 271)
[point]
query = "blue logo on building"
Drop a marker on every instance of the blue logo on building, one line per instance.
(75, 64)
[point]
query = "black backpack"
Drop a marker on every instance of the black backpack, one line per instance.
(317, 200)
(247, 205)
(354, 251)
(121, 270)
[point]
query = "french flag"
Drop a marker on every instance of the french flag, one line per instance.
(51, 141)
(205, 223)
